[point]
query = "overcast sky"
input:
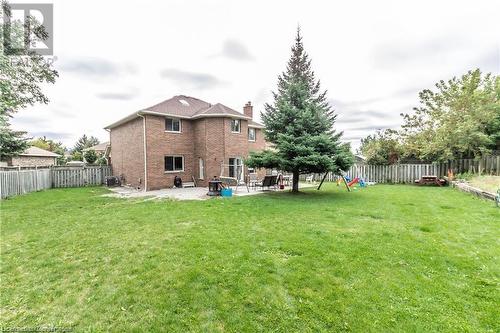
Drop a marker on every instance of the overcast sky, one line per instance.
(373, 57)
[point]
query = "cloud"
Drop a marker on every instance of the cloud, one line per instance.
(234, 49)
(408, 51)
(87, 66)
(117, 96)
(489, 61)
(51, 135)
(371, 127)
(195, 80)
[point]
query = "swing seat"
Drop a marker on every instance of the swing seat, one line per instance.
(229, 181)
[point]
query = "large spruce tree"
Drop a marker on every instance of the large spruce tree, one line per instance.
(299, 124)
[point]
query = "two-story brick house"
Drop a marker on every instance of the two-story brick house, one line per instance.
(183, 136)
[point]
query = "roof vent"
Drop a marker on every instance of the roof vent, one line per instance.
(184, 102)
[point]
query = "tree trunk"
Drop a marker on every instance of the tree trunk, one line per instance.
(295, 184)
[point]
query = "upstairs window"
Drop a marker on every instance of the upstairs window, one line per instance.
(235, 126)
(174, 163)
(251, 134)
(172, 125)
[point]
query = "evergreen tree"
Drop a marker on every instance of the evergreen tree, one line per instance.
(299, 123)
(85, 142)
(90, 156)
(12, 142)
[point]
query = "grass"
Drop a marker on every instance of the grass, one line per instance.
(381, 259)
(486, 183)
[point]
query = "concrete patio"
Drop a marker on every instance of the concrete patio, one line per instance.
(190, 193)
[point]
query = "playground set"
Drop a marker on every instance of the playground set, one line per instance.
(351, 183)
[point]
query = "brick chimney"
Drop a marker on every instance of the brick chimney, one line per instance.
(248, 110)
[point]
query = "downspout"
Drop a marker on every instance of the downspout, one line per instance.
(144, 149)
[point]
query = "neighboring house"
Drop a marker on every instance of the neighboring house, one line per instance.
(33, 156)
(186, 137)
(101, 149)
(358, 159)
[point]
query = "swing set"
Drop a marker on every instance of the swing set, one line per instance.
(341, 178)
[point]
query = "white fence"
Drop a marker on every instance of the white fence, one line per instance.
(22, 181)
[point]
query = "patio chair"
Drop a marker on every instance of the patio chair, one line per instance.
(252, 179)
(268, 181)
(310, 179)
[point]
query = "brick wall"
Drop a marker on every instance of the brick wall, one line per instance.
(160, 143)
(258, 145)
(210, 139)
(200, 151)
(127, 153)
(32, 161)
(215, 149)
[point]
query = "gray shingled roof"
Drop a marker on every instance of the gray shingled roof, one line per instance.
(252, 123)
(218, 110)
(182, 106)
(35, 151)
(187, 107)
(98, 147)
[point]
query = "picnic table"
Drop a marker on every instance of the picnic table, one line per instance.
(430, 180)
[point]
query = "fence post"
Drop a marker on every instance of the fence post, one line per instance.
(18, 179)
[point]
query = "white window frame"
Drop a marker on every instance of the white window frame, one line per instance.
(239, 125)
(239, 165)
(201, 166)
(173, 119)
(254, 134)
(174, 156)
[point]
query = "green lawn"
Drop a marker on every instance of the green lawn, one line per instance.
(381, 259)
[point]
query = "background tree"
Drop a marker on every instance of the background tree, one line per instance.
(11, 142)
(90, 156)
(77, 156)
(21, 75)
(382, 148)
(102, 160)
(300, 124)
(50, 145)
(460, 119)
(85, 142)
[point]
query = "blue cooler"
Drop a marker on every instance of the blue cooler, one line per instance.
(226, 192)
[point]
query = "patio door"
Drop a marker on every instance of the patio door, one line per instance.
(236, 168)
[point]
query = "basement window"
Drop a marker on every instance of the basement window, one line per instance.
(173, 125)
(174, 163)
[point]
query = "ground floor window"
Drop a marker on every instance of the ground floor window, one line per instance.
(236, 168)
(174, 163)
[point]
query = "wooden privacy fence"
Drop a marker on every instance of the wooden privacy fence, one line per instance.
(398, 173)
(408, 173)
(22, 181)
(486, 165)
(78, 177)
